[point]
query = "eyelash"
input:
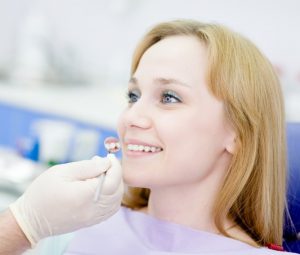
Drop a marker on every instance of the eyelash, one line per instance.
(130, 94)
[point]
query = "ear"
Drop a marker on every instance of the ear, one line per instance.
(230, 143)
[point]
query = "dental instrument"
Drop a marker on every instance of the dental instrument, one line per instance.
(112, 145)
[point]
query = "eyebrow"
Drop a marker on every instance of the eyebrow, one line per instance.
(162, 81)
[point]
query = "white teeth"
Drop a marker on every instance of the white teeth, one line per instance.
(135, 147)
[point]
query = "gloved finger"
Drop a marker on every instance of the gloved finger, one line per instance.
(92, 185)
(85, 169)
(113, 176)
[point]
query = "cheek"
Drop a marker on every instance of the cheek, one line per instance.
(191, 163)
(192, 148)
(184, 159)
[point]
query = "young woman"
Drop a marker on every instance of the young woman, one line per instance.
(204, 151)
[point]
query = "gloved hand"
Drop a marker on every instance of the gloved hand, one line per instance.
(61, 199)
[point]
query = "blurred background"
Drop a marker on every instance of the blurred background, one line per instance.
(64, 66)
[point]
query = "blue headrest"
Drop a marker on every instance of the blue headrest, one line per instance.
(293, 196)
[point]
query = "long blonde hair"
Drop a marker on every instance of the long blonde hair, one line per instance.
(253, 193)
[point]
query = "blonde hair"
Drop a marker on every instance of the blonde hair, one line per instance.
(253, 193)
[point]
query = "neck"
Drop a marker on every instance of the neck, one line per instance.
(171, 204)
(191, 204)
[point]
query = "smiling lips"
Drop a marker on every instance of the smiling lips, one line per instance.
(135, 147)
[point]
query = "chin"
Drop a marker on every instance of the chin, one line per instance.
(135, 180)
(131, 178)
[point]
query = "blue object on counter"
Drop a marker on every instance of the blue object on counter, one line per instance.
(16, 123)
(28, 147)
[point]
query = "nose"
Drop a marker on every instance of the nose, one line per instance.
(138, 116)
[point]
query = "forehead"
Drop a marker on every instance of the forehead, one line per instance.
(183, 57)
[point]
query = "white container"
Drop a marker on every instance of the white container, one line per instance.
(85, 144)
(55, 139)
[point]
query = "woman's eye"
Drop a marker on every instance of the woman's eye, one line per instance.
(170, 97)
(132, 97)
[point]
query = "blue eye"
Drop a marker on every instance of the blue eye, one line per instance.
(170, 97)
(132, 96)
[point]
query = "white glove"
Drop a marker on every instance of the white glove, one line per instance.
(61, 199)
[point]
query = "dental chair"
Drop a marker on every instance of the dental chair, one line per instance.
(292, 231)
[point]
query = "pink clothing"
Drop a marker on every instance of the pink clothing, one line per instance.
(130, 232)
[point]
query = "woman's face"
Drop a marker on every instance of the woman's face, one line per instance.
(172, 114)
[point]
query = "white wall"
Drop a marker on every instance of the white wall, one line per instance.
(106, 31)
(11, 14)
(95, 38)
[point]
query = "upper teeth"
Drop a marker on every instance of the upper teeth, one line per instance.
(135, 147)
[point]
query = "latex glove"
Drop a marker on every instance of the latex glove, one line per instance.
(61, 199)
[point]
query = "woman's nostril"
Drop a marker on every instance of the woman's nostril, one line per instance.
(140, 122)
